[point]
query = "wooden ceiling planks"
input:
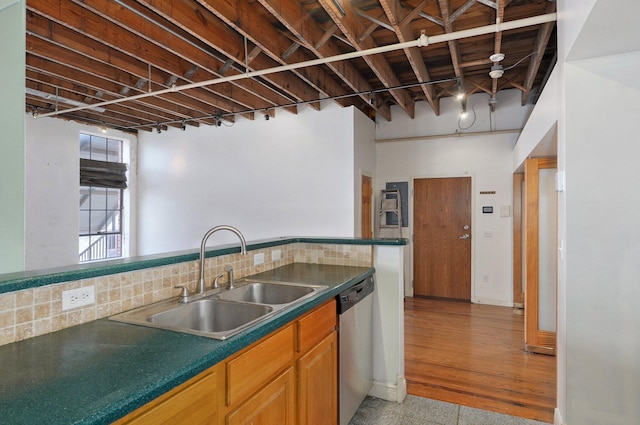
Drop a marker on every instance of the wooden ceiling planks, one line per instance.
(85, 52)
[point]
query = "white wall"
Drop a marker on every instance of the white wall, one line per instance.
(509, 115)
(487, 158)
(52, 190)
(12, 74)
(598, 345)
(603, 245)
(290, 175)
(365, 162)
(540, 125)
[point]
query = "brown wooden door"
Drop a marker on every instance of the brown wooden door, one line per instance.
(442, 252)
(367, 193)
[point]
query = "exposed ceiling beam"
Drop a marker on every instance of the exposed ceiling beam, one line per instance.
(542, 40)
(422, 41)
(497, 48)
(350, 27)
(297, 21)
(453, 44)
(248, 21)
(401, 25)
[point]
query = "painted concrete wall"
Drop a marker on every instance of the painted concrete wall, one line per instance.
(487, 158)
(598, 365)
(12, 74)
(509, 115)
(52, 189)
(289, 175)
(365, 162)
(603, 245)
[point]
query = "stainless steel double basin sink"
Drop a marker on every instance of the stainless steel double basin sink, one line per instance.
(224, 313)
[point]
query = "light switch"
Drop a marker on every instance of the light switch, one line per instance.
(505, 210)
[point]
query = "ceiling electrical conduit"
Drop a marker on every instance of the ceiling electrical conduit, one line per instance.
(421, 41)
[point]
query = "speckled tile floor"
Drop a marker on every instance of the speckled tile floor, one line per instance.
(424, 411)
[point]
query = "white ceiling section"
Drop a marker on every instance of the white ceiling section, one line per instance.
(610, 29)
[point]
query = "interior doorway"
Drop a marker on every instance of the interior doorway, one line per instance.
(442, 237)
(540, 240)
(366, 207)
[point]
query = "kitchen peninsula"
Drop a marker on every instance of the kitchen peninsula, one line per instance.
(99, 371)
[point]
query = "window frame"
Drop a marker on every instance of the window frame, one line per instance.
(87, 190)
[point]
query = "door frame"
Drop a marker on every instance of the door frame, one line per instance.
(412, 179)
(536, 340)
(372, 208)
(358, 202)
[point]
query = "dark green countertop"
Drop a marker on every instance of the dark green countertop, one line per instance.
(16, 281)
(98, 372)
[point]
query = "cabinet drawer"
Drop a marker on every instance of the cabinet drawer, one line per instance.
(252, 369)
(194, 402)
(316, 325)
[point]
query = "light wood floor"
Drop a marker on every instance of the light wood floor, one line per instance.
(473, 355)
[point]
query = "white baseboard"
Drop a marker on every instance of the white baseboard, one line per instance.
(491, 301)
(390, 392)
(557, 417)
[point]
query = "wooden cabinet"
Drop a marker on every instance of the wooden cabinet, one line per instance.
(273, 404)
(318, 384)
(288, 377)
(317, 366)
(194, 402)
(315, 325)
(257, 365)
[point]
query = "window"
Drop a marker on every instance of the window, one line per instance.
(102, 183)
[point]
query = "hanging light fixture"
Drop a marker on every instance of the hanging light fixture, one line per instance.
(496, 69)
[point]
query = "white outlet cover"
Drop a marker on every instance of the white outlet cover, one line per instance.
(79, 297)
(276, 255)
(258, 259)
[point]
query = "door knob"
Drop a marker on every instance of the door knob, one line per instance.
(465, 236)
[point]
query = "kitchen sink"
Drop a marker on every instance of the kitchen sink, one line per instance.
(210, 315)
(267, 293)
(222, 313)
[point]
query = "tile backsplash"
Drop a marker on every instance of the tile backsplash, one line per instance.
(37, 311)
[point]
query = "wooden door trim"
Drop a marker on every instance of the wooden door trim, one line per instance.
(366, 229)
(536, 340)
(518, 293)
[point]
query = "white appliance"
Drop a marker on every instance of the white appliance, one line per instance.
(355, 309)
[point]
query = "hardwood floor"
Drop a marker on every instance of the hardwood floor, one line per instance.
(473, 355)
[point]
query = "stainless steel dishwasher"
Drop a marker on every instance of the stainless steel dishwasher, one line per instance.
(355, 309)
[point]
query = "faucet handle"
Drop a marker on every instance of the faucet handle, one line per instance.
(184, 293)
(230, 273)
(215, 281)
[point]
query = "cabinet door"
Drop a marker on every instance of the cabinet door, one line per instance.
(316, 325)
(274, 404)
(196, 402)
(318, 384)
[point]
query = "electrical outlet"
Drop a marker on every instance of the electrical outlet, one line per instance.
(258, 259)
(276, 255)
(78, 297)
(485, 278)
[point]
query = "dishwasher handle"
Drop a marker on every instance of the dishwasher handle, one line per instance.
(354, 294)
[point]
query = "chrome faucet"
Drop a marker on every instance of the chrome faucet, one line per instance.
(243, 251)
